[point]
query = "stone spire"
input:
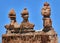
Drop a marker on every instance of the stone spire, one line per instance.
(48, 30)
(26, 26)
(46, 12)
(13, 27)
(25, 15)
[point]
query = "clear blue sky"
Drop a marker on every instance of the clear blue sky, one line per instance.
(34, 7)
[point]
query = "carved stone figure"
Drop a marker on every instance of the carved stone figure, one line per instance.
(26, 26)
(13, 26)
(24, 32)
(47, 23)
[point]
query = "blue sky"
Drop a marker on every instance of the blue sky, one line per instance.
(34, 7)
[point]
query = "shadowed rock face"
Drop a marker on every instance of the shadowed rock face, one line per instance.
(24, 32)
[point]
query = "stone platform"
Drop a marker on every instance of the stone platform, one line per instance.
(32, 37)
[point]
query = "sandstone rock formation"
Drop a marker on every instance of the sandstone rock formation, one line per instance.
(24, 32)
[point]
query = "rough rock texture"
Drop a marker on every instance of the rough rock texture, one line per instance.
(35, 37)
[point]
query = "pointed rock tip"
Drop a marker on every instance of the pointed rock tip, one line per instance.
(46, 4)
(25, 11)
(12, 11)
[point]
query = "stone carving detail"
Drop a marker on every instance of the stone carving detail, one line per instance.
(13, 27)
(47, 23)
(26, 26)
(46, 10)
(24, 32)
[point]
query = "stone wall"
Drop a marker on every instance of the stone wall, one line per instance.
(35, 37)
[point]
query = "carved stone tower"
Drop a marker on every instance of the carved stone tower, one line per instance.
(13, 27)
(24, 32)
(26, 26)
(47, 23)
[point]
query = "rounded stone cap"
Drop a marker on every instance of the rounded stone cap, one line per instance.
(25, 11)
(12, 13)
(46, 10)
(46, 4)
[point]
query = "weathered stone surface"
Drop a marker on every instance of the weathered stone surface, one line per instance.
(34, 37)
(47, 22)
(26, 26)
(13, 27)
(46, 10)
